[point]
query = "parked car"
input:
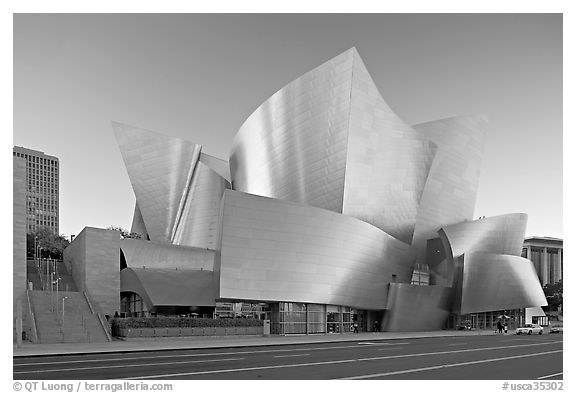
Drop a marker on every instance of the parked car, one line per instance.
(530, 328)
(556, 329)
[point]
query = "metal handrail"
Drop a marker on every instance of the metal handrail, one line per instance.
(104, 324)
(87, 297)
(32, 317)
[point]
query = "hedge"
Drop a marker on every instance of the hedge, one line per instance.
(166, 322)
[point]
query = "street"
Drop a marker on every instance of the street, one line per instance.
(500, 357)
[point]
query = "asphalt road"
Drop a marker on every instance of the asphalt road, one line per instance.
(500, 357)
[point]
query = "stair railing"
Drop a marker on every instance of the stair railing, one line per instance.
(103, 323)
(33, 328)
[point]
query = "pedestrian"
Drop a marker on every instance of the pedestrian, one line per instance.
(505, 327)
(355, 327)
(376, 327)
(499, 324)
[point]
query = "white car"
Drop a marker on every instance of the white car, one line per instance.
(530, 328)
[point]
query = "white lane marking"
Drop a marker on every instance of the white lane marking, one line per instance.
(292, 356)
(124, 366)
(458, 344)
(332, 362)
(415, 370)
(550, 376)
(194, 355)
(377, 344)
(389, 349)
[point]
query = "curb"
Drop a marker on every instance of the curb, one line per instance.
(238, 345)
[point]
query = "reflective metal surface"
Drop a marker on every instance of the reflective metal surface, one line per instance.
(416, 307)
(178, 188)
(450, 192)
(499, 235)
(151, 254)
(169, 287)
(335, 200)
(160, 169)
(280, 251)
(198, 223)
(328, 139)
(293, 147)
(499, 282)
(487, 272)
(387, 161)
(219, 166)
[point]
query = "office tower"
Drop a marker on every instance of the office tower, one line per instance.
(42, 185)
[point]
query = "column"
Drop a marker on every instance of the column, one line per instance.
(544, 267)
(560, 264)
(557, 266)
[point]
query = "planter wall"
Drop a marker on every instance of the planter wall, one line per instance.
(187, 331)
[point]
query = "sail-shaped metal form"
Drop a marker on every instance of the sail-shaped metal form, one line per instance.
(328, 139)
(177, 187)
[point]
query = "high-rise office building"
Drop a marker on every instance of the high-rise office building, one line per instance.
(42, 189)
(546, 255)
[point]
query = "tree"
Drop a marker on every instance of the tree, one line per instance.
(554, 295)
(52, 245)
(124, 233)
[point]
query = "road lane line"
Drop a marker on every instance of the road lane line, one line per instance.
(124, 366)
(415, 370)
(188, 355)
(329, 362)
(292, 356)
(550, 376)
(389, 349)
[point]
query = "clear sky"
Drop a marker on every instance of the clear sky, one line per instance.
(199, 77)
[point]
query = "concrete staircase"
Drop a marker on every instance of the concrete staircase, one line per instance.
(77, 324)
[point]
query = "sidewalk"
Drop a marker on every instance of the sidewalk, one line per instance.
(170, 343)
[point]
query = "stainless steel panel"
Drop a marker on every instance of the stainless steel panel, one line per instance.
(293, 147)
(387, 161)
(218, 165)
(198, 224)
(329, 140)
(450, 191)
(280, 251)
(169, 287)
(416, 307)
(499, 235)
(151, 254)
(160, 170)
(499, 282)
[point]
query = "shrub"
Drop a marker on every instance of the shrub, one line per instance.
(167, 322)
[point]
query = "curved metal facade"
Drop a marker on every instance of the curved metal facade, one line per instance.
(499, 235)
(150, 254)
(280, 251)
(417, 307)
(336, 201)
(499, 282)
(160, 168)
(450, 192)
(387, 161)
(177, 187)
(329, 140)
(293, 147)
(198, 224)
(168, 287)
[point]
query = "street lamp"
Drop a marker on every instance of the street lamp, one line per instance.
(56, 282)
(63, 299)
